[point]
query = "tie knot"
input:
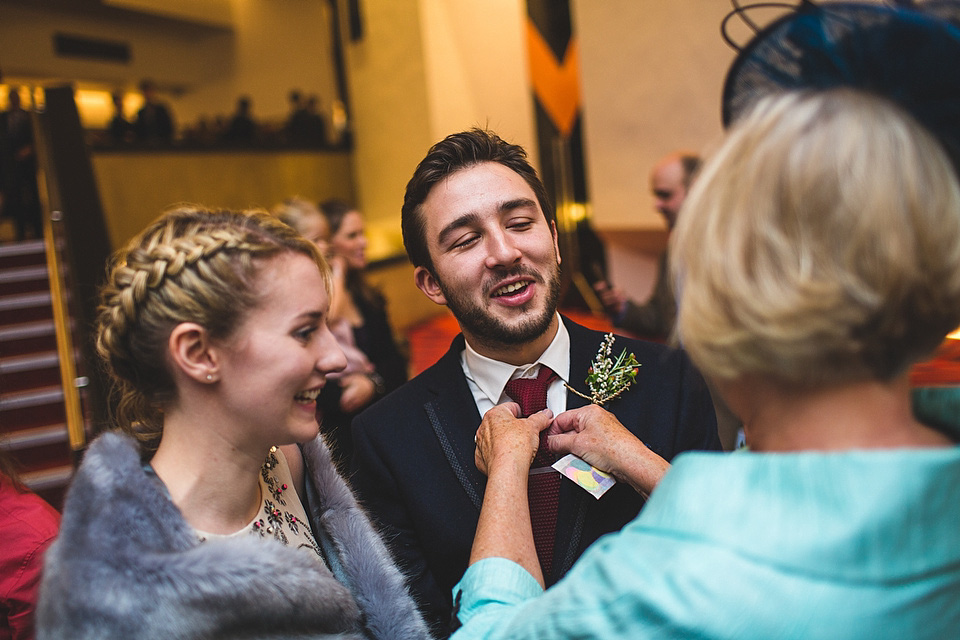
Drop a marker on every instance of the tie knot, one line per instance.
(531, 393)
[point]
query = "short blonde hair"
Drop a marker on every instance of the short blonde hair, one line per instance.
(820, 244)
(190, 265)
(295, 211)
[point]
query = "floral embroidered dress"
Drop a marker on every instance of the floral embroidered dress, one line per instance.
(281, 516)
(127, 565)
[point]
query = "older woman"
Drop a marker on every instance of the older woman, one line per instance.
(816, 260)
(202, 517)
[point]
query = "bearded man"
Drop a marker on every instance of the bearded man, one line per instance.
(481, 234)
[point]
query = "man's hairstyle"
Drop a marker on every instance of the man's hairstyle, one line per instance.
(454, 153)
(820, 244)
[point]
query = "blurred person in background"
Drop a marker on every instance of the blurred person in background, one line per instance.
(18, 169)
(357, 381)
(363, 312)
(119, 129)
(154, 122)
(27, 527)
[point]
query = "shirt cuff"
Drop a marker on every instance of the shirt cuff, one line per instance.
(491, 582)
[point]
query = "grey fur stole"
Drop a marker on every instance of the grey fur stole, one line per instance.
(127, 565)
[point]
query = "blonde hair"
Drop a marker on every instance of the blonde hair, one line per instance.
(190, 265)
(820, 244)
(295, 210)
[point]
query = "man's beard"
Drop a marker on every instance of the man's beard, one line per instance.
(486, 327)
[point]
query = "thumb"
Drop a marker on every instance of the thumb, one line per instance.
(541, 419)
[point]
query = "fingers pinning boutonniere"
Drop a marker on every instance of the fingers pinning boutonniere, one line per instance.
(608, 378)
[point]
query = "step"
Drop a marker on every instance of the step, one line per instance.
(50, 484)
(21, 254)
(53, 454)
(35, 437)
(31, 408)
(46, 479)
(31, 398)
(25, 307)
(29, 362)
(28, 337)
(24, 280)
(29, 370)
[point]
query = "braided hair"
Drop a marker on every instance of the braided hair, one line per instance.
(190, 265)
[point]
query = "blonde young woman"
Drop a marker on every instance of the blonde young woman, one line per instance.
(201, 517)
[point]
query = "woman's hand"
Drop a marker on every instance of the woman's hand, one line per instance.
(357, 391)
(506, 440)
(506, 446)
(596, 436)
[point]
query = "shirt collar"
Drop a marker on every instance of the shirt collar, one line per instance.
(491, 376)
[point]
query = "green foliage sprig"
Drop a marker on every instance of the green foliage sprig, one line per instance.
(608, 378)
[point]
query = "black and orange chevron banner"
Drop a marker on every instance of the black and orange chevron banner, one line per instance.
(556, 83)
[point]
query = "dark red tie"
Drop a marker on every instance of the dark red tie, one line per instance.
(544, 488)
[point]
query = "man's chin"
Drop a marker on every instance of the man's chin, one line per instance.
(508, 331)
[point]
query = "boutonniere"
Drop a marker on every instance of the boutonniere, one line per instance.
(608, 378)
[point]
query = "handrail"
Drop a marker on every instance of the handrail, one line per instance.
(78, 247)
(76, 426)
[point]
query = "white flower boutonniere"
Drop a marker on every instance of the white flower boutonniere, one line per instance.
(608, 378)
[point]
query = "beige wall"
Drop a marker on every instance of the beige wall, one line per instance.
(136, 187)
(387, 77)
(424, 69)
(279, 45)
(652, 77)
(652, 74)
(477, 71)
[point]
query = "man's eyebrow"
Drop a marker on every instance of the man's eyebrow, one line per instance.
(458, 223)
(517, 203)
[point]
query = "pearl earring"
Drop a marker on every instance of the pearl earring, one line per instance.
(209, 377)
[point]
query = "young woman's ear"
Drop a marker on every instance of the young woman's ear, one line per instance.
(192, 354)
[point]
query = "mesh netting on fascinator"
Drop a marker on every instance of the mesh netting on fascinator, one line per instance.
(908, 53)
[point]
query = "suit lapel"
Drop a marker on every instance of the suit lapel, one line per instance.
(454, 418)
(583, 348)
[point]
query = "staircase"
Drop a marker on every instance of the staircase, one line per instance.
(32, 413)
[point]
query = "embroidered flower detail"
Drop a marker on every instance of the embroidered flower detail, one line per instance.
(608, 378)
(292, 522)
(274, 521)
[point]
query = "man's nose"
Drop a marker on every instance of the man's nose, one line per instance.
(501, 250)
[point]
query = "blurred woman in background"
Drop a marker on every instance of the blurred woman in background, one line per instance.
(364, 311)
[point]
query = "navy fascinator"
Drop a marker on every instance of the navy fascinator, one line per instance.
(908, 53)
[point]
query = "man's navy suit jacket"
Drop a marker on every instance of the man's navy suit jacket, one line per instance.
(414, 469)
